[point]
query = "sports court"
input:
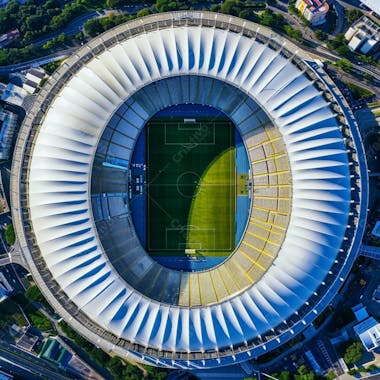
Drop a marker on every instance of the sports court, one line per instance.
(191, 186)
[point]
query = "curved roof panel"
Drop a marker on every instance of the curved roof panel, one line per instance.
(279, 112)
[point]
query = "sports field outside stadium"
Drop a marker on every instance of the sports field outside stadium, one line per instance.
(191, 186)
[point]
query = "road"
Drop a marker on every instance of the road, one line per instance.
(351, 4)
(341, 17)
(4, 259)
(21, 362)
(6, 70)
(319, 51)
(294, 22)
(325, 53)
(374, 88)
(77, 24)
(322, 52)
(72, 28)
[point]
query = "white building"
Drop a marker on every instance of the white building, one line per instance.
(374, 5)
(8, 125)
(5, 288)
(363, 35)
(314, 11)
(13, 94)
(33, 79)
(368, 332)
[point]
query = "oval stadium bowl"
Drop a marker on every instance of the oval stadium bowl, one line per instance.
(309, 190)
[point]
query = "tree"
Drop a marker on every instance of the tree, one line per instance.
(215, 8)
(320, 35)
(344, 64)
(231, 7)
(368, 77)
(40, 321)
(116, 367)
(249, 14)
(294, 33)
(34, 294)
(358, 92)
(93, 27)
(273, 20)
(143, 12)
(353, 15)
(112, 3)
(302, 370)
(10, 236)
(283, 375)
(353, 353)
(304, 374)
(343, 50)
(99, 356)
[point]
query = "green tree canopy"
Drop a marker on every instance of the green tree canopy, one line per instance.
(34, 294)
(112, 3)
(10, 236)
(143, 12)
(344, 64)
(353, 353)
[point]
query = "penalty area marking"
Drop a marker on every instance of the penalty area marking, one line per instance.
(188, 245)
(200, 134)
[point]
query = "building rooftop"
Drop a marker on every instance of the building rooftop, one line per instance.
(316, 5)
(369, 333)
(360, 312)
(27, 341)
(374, 5)
(53, 351)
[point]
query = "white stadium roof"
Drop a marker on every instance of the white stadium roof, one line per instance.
(316, 213)
(374, 5)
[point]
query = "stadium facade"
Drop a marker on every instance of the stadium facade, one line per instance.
(309, 198)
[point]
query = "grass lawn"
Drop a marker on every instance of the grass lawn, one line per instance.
(191, 186)
(212, 212)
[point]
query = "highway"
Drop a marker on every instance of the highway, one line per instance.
(374, 87)
(23, 363)
(72, 28)
(320, 51)
(4, 260)
(5, 70)
(341, 17)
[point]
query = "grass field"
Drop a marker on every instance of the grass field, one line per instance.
(191, 186)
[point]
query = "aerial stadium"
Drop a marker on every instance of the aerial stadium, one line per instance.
(189, 190)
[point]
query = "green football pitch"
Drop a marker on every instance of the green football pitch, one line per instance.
(191, 190)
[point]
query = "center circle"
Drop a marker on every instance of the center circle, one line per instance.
(187, 184)
(189, 177)
(149, 231)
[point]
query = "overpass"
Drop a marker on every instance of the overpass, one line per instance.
(13, 257)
